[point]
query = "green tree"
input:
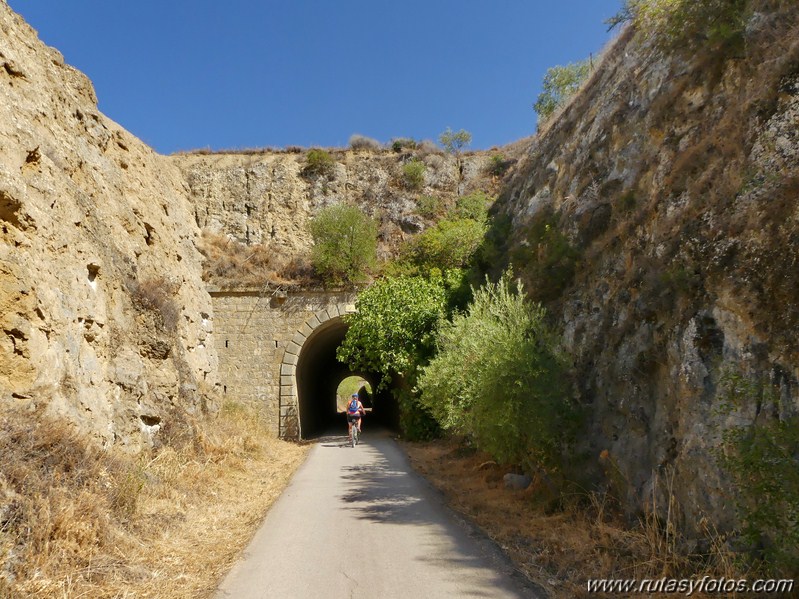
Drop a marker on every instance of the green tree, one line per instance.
(560, 84)
(393, 328)
(345, 244)
(500, 378)
(454, 142)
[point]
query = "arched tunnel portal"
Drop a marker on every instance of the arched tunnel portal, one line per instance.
(316, 377)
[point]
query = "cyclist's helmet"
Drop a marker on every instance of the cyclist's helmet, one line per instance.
(355, 395)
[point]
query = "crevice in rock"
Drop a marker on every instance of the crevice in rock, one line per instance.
(9, 207)
(150, 420)
(18, 340)
(12, 70)
(149, 238)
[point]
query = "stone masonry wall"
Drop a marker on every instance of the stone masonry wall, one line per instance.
(257, 337)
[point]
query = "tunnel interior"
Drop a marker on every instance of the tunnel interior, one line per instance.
(318, 375)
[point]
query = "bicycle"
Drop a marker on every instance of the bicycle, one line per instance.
(355, 434)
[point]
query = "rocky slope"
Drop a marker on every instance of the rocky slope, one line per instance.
(266, 198)
(103, 313)
(672, 182)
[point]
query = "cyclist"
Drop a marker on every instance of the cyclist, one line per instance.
(355, 412)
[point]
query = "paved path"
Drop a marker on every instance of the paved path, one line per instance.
(408, 544)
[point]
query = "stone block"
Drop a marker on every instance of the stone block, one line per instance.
(290, 359)
(293, 349)
(313, 322)
(287, 369)
(299, 339)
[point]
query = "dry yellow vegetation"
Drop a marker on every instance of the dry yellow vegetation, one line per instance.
(80, 521)
(561, 542)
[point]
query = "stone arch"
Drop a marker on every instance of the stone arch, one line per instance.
(289, 426)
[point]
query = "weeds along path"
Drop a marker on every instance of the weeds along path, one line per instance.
(357, 522)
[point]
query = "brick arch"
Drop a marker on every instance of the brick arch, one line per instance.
(289, 422)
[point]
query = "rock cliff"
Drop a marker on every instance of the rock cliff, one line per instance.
(103, 313)
(265, 197)
(672, 180)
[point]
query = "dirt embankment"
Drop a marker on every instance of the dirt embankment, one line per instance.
(561, 541)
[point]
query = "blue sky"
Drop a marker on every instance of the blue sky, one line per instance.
(186, 74)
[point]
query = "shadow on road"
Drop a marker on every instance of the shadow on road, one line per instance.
(381, 488)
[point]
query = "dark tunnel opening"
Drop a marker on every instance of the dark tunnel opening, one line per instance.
(318, 375)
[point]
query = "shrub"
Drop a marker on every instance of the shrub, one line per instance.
(361, 142)
(428, 206)
(318, 163)
(473, 206)
(762, 458)
(498, 165)
(449, 244)
(427, 146)
(687, 23)
(499, 378)
(158, 296)
(229, 264)
(560, 84)
(413, 174)
(416, 422)
(345, 244)
(550, 261)
(403, 143)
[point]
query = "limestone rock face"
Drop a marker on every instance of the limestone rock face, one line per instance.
(674, 178)
(265, 197)
(103, 315)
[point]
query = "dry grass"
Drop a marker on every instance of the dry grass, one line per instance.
(561, 544)
(80, 521)
(229, 263)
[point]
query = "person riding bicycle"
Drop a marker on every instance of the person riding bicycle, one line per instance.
(355, 412)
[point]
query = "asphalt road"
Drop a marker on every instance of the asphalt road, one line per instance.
(358, 523)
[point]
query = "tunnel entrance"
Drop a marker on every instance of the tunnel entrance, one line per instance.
(318, 374)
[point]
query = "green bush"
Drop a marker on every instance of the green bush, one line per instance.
(473, 206)
(500, 378)
(345, 244)
(560, 84)
(318, 162)
(402, 143)
(449, 244)
(687, 23)
(416, 422)
(498, 165)
(413, 174)
(550, 261)
(428, 206)
(762, 458)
